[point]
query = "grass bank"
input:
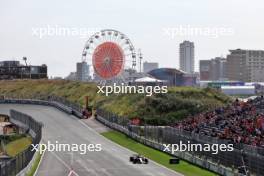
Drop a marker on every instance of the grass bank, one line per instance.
(164, 109)
(15, 147)
(177, 104)
(35, 165)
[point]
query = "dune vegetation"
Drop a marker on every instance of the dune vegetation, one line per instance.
(178, 103)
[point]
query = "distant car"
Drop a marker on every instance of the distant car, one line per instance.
(174, 160)
(138, 159)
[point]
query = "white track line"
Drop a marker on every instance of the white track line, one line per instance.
(39, 163)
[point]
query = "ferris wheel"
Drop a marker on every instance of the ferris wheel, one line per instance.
(110, 52)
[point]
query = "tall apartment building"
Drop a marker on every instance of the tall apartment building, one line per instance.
(245, 65)
(148, 66)
(187, 56)
(82, 73)
(214, 69)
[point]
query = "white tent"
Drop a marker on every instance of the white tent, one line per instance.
(148, 80)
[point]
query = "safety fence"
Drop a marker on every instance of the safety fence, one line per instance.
(224, 162)
(13, 166)
(54, 101)
(44, 97)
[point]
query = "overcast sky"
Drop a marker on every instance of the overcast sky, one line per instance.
(148, 23)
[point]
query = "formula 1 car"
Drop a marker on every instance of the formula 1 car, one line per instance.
(138, 159)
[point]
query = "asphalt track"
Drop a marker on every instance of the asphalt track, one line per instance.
(113, 160)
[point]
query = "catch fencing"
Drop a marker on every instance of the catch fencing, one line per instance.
(13, 166)
(44, 97)
(48, 100)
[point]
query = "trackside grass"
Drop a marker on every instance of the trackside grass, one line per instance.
(184, 167)
(15, 147)
(35, 165)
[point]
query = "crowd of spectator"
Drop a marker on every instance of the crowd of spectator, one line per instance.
(240, 122)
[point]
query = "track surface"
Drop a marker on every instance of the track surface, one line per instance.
(111, 161)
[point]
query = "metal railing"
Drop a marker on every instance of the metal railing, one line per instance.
(45, 97)
(57, 102)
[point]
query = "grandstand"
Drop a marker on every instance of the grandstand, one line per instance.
(240, 122)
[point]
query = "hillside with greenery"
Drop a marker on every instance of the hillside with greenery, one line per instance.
(178, 103)
(73, 91)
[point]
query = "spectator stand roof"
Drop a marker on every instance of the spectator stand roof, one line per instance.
(149, 79)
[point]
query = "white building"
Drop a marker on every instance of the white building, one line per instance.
(148, 66)
(238, 90)
(82, 73)
(187, 56)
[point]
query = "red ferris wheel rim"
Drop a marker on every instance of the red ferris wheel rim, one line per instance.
(108, 60)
